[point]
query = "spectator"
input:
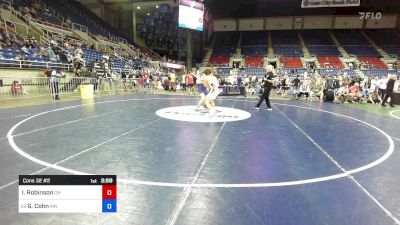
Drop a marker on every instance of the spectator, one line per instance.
(382, 87)
(16, 89)
(354, 93)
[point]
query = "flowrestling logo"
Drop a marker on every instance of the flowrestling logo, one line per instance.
(193, 114)
(370, 15)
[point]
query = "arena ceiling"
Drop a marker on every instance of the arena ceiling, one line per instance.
(255, 8)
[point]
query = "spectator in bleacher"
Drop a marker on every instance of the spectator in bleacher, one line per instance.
(70, 58)
(51, 54)
(2, 27)
(69, 23)
(78, 65)
(25, 50)
(389, 90)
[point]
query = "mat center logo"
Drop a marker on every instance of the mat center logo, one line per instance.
(193, 114)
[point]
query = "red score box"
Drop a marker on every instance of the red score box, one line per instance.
(109, 192)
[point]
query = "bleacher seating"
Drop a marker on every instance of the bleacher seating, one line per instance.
(117, 64)
(91, 55)
(320, 43)
(372, 62)
(292, 72)
(330, 61)
(43, 15)
(160, 29)
(83, 16)
(37, 57)
(223, 51)
(254, 51)
(254, 38)
(286, 43)
(378, 73)
(219, 60)
(316, 37)
(323, 50)
(260, 72)
(229, 38)
(254, 61)
(221, 56)
(329, 72)
(349, 72)
(288, 50)
(291, 62)
(355, 43)
(388, 40)
(224, 70)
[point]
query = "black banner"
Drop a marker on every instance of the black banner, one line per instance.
(67, 179)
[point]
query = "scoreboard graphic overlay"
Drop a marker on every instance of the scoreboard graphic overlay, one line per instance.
(67, 193)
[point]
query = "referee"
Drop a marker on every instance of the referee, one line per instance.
(268, 81)
(54, 82)
(389, 91)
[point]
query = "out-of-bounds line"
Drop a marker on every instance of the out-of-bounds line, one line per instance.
(55, 165)
(16, 181)
(216, 185)
(392, 114)
(72, 121)
(336, 163)
(395, 138)
(363, 125)
(29, 97)
(178, 209)
(14, 117)
(69, 122)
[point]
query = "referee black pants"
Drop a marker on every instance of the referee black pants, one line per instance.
(389, 93)
(265, 95)
(54, 90)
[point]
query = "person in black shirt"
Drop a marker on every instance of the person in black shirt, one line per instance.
(296, 83)
(268, 81)
(389, 91)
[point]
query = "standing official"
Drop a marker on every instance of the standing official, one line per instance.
(389, 91)
(268, 81)
(54, 83)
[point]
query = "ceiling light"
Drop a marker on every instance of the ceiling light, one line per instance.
(138, 7)
(148, 14)
(157, 6)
